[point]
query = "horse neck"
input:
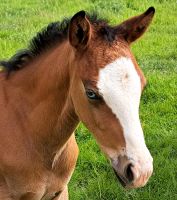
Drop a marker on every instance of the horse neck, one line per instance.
(43, 88)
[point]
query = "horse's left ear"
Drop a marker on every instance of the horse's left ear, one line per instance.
(79, 30)
(134, 27)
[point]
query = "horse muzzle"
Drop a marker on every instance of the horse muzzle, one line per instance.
(131, 173)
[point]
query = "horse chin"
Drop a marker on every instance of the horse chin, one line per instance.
(122, 182)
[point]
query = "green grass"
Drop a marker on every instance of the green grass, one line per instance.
(156, 53)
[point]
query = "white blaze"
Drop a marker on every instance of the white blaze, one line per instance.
(120, 85)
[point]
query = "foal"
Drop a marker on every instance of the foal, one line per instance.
(78, 70)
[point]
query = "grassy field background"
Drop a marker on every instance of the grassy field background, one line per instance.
(156, 53)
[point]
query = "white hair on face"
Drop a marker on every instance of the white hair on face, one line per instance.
(120, 86)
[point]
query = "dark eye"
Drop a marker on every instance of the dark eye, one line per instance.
(92, 95)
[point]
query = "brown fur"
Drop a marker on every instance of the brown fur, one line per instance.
(42, 104)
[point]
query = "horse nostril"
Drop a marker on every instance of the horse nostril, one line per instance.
(129, 173)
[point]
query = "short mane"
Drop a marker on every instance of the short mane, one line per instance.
(53, 34)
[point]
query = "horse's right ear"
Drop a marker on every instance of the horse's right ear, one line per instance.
(79, 30)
